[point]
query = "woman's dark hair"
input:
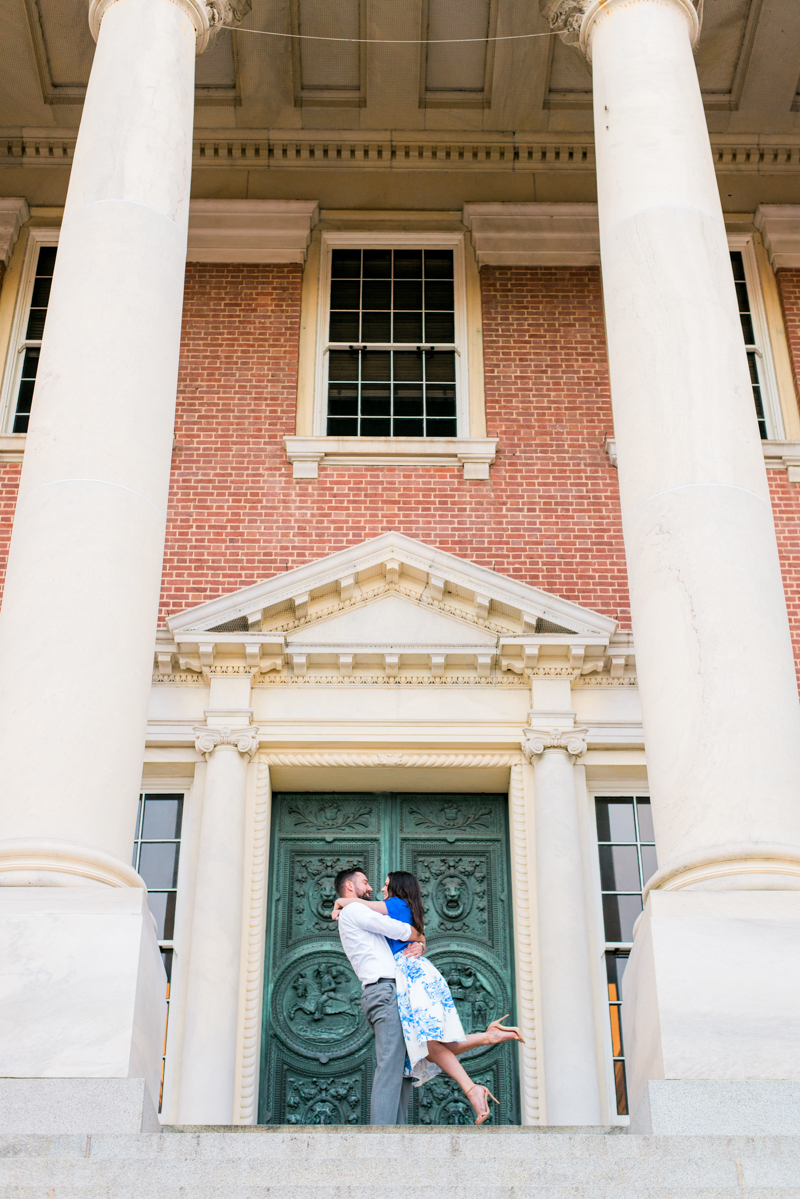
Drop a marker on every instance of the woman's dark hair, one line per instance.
(403, 885)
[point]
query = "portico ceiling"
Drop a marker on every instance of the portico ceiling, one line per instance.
(526, 104)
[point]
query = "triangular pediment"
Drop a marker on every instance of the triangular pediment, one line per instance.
(385, 603)
(392, 620)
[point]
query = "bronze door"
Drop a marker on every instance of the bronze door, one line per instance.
(317, 1049)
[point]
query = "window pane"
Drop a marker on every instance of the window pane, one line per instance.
(438, 264)
(377, 264)
(343, 364)
(615, 820)
(166, 958)
(408, 294)
(162, 817)
(645, 814)
(162, 905)
(343, 326)
(376, 294)
(346, 264)
(441, 401)
(440, 327)
(620, 913)
(375, 427)
(158, 863)
(408, 400)
(345, 293)
(439, 295)
(407, 367)
(616, 961)
(408, 264)
(649, 863)
(342, 427)
(441, 428)
(343, 400)
(375, 399)
(621, 1089)
(376, 326)
(408, 428)
(25, 397)
(376, 365)
(440, 367)
(619, 868)
(41, 291)
(408, 326)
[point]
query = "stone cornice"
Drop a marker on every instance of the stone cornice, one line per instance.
(402, 150)
(13, 215)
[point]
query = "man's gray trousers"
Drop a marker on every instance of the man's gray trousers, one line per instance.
(390, 1091)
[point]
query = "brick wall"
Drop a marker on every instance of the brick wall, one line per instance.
(548, 516)
(9, 485)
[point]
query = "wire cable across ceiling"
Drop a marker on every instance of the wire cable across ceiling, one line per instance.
(382, 41)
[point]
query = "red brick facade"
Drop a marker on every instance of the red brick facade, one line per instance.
(548, 515)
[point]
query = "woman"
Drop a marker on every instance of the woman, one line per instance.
(432, 1028)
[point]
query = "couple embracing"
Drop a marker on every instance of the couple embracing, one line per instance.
(407, 1003)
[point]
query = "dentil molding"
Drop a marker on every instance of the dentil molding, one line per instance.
(243, 739)
(387, 758)
(537, 741)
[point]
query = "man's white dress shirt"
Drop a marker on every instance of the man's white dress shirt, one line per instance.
(363, 933)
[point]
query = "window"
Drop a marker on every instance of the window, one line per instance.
(385, 298)
(28, 328)
(627, 854)
(754, 330)
(156, 854)
(392, 330)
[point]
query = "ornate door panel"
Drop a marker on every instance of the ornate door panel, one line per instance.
(317, 1055)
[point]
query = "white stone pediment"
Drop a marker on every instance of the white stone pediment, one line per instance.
(391, 620)
(388, 605)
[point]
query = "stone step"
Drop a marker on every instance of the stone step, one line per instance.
(413, 1163)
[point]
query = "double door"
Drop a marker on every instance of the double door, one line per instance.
(317, 1049)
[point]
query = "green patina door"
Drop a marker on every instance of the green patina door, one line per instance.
(317, 1050)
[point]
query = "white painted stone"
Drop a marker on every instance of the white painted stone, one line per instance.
(86, 551)
(508, 234)
(82, 988)
(13, 215)
(722, 727)
(711, 989)
(705, 1107)
(250, 230)
(60, 1106)
(566, 1021)
(212, 978)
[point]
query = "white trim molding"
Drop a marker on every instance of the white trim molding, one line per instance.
(779, 225)
(254, 231)
(13, 215)
(474, 454)
(525, 948)
(12, 447)
(534, 234)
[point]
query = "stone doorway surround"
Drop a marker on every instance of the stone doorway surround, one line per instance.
(387, 667)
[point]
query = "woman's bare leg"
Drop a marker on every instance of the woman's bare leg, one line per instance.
(443, 1056)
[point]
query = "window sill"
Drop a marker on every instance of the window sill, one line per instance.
(475, 454)
(12, 447)
(778, 455)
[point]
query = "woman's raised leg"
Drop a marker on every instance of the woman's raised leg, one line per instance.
(443, 1056)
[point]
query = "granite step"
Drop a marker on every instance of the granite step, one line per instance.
(410, 1163)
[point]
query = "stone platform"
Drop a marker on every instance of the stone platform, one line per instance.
(396, 1163)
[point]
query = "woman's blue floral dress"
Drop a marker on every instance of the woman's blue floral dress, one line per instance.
(427, 1011)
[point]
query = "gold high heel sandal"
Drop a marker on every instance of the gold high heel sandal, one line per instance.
(506, 1027)
(479, 1087)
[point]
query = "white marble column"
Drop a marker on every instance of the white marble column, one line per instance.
(567, 1018)
(212, 981)
(714, 658)
(79, 611)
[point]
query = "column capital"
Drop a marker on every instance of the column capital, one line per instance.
(572, 20)
(244, 739)
(209, 17)
(538, 741)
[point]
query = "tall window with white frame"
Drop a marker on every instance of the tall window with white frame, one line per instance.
(754, 350)
(31, 343)
(156, 854)
(627, 853)
(391, 344)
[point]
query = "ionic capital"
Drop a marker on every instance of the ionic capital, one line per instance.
(244, 739)
(209, 17)
(572, 20)
(537, 741)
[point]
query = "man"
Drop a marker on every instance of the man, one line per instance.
(363, 934)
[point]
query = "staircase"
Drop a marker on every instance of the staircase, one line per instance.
(411, 1163)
